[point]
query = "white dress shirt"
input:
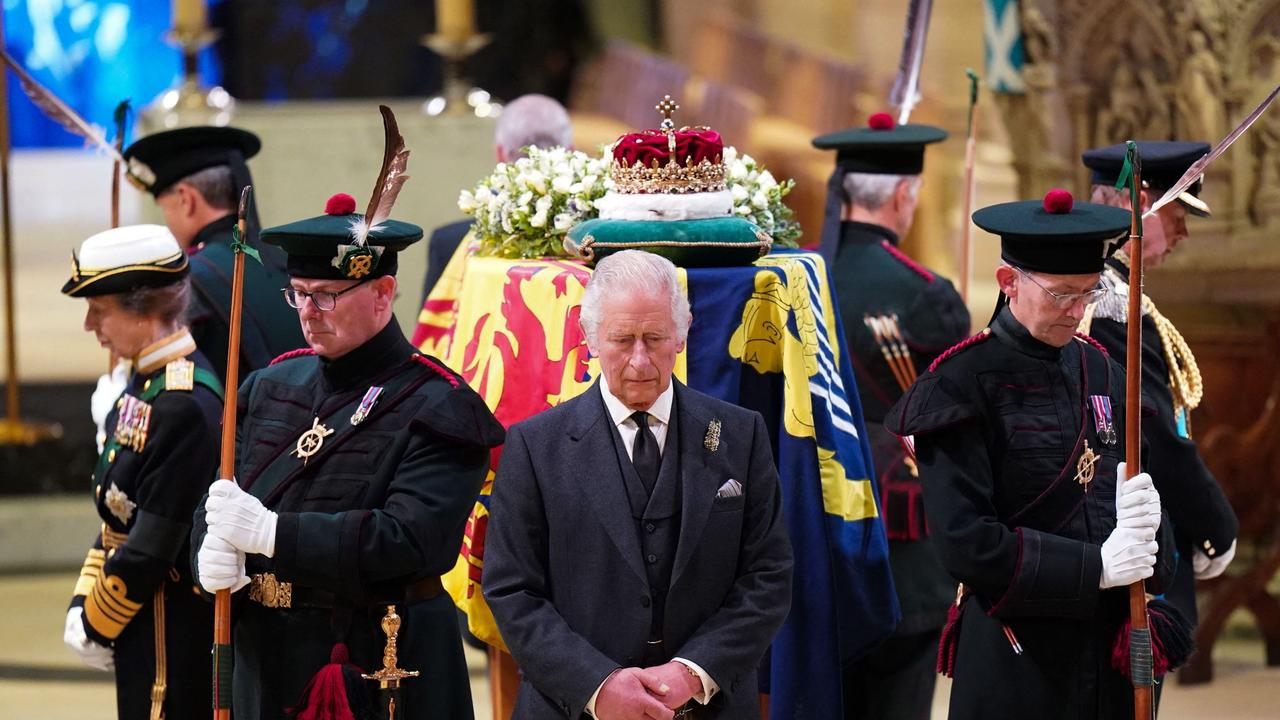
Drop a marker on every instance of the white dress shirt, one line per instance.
(659, 421)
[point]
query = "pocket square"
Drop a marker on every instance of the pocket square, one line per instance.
(731, 488)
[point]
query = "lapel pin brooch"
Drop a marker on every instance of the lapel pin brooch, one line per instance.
(712, 440)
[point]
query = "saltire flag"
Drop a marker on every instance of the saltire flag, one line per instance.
(1005, 53)
(766, 337)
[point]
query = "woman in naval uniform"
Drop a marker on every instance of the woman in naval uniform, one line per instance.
(135, 608)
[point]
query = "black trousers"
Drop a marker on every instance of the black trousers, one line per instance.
(895, 681)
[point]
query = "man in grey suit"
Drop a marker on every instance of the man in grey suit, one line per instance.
(637, 560)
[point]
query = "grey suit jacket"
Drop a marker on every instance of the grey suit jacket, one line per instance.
(564, 573)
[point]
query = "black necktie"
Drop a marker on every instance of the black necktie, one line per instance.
(644, 452)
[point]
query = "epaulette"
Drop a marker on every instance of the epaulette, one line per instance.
(905, 259)
(180, 374)
(300, 352)
(1114, 304)
(971, 340)
(1088, 339)
(431, 364)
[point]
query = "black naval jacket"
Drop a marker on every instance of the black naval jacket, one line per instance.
(374, 518)
(270, 327)
(999, 426)
(1202, 518)
(873, 277)
(145, 498)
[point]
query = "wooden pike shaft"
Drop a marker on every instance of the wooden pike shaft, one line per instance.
(222, 600)
(115, 220)
(1142, 693)
(11, 404)
(966, 225)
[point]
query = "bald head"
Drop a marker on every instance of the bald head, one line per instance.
(531, 120)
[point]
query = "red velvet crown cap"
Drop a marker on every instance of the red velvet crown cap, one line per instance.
(693, 145)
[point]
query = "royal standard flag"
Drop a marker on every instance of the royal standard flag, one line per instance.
(767, 337)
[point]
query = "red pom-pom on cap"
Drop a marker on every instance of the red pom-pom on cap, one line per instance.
(340, 204)
(1058, 202)
(880, 121)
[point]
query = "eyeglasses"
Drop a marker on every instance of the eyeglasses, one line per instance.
(324, 300)
(1062, 301)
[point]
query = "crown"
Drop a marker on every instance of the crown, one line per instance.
(667, 160)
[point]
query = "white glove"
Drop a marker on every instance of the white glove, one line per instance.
(104, 398)
(98, 657)
(1137, 501)
(239, 518)
(1128, 555)
(1206, 567)
(221, 565)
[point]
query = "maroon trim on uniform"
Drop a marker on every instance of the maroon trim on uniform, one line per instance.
(448, 376)
(292, 354)
(1089, 339)
(905, 259)
(1017, 570)
(971, 340)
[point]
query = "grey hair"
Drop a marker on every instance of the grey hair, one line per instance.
(216, 185)
(634, 272)
(1107, 194)
(535, 120)
(873, 190)
(168, 303)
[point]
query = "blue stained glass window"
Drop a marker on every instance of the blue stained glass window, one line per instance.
(92, 54)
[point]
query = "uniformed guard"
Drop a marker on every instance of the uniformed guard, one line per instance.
(358, 462)
(136, 605)
(1018, 433)
(196, 175)
(1204, 524)
(898, 315)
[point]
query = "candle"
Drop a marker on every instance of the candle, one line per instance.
(189, 15)
(455, 19)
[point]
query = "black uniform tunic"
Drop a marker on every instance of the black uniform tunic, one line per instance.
(1203, 520)
(269, 326)
(999, 429)
(145, 499)
(375, 517)
(873, 278)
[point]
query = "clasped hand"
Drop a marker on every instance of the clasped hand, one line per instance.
(639, 693)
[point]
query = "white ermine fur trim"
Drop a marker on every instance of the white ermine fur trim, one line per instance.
(690, 206)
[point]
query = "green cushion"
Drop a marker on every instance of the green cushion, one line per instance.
(710, 242)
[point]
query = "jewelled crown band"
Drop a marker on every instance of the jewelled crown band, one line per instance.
(667, 160)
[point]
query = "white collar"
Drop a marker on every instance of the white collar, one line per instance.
(159, 353)
(618, 412)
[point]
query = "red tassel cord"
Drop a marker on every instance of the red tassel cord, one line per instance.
(1171, 640)
(337, 692)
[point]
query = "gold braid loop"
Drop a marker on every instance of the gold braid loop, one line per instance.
(1184, 373)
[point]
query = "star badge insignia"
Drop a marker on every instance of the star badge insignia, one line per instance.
(311, 441)
(119, 504)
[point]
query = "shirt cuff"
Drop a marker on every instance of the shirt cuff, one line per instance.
(709, 686)
(590, 709)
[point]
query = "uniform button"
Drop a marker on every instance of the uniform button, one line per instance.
(146, 386)
(652, 558)
(111, 456)
(644, 601)
(650, 527)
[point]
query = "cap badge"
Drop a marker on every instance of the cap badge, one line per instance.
(357, 261)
